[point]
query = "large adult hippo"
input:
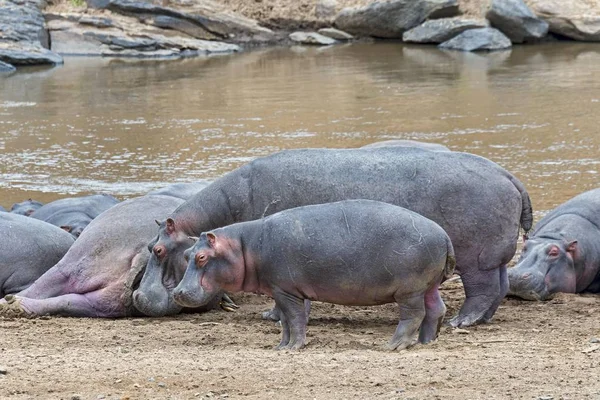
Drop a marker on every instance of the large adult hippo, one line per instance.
(75, 213)
(563, 252)
(407, 143)
(351, 252)
(26, 207)
(98, 274)
(27, 250)
(477, 202)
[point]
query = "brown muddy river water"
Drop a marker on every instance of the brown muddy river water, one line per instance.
(127, 126)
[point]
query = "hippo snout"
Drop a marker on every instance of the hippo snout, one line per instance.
(527, 285)
(154, 308)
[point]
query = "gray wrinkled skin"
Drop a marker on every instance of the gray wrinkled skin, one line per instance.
(74, 214)
(96, 277)
(28, 249)
(563, 252)
(479, 204)
(26, 207)
(353, 252)
(181, 190)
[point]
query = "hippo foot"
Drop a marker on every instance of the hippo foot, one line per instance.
(227, 304)
(271, 315)
(290, 346)
(400, 345)
(463, 321)
(13, 308)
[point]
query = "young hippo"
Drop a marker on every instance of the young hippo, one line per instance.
(353, 252)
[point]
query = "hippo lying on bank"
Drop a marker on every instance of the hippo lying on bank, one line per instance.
(477, 202)
(28, 248)
(563, 252)
(98, 274)
(407, 143)
(353, 252)
(26, 207)
(74, 214)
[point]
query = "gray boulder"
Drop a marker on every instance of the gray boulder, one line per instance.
(477, 40)
(312, 38)
(6, 68)
(335, 34)
(578, 20)
(25, 53)
(516, 21)
(390, 19)
(441, 30)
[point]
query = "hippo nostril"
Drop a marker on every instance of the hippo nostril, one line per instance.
(526, 275)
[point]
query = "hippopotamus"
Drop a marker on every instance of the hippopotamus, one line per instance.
(2, 209)
(75, 213)
(407, 143)
(352, 252)
(26, 207)
(182, 190)
(478, 203)
(563, 252)
(28, 249)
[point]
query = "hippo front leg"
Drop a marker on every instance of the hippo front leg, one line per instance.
(274, 314)
(293, 321)
(412, 313)
(484, 292)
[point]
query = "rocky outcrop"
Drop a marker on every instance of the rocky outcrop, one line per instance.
(312, 38)
(390, 19)
(441, 30)
(477, 40)
(576, 19)
(23, 35)
(516, 21)
(335, 34)
(120, 36)
(202, 20)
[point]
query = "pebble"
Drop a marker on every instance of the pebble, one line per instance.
(594, 340)
(76, 397)
(546, 397)
(162, 384)
(3, 370)
(151, 379)
(461, 331)
(136, 385)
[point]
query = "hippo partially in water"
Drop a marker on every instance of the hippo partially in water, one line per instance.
(98, 274)
(28, 248)
(479, 204)
(407, 143)
(26, 207)
(563, 252)
(75, 213)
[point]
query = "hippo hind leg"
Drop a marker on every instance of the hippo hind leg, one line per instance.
(504, 286)
(293, 321)
(435, 309)
(274, 314)
(483, 295)
(412, 313)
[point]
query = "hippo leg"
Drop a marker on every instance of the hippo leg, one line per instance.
(293, 321)
(274, 313)
(52, 283)
(435, 309)
(482, 289)
(504, 286)
(412, 313)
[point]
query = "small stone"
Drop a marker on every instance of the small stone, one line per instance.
(100, 397)
(136, 385)
(547, 397)
(76, 397)
(162, 384)
(594, 340)
(591, 349)
(461, 331)
(3, 370)
(151, 379)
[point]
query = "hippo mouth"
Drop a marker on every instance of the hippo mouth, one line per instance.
(540, 294)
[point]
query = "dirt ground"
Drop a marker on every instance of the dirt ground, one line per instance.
(530, 351)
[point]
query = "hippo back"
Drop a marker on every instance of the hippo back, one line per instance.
(585, 205)
(181, 190)
(29, 248)
(92, 206)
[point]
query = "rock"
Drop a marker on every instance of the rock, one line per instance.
(478, 39)
(579, 20)
(4, 68)
(181, 25)
(312, 38)
(440, 30)
(516, 21)
(76, 397)
(22, 21)
(391, 18)
(120, 36)
(25, 53)
(162, 384)
(335, 34)
(594, 340)
(3, 370)
(326, 9)
(206, 14)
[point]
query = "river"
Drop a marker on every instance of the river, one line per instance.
(127, 126)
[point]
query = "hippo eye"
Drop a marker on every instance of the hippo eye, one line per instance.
(553, 252)
(200, 259)
(159, 251)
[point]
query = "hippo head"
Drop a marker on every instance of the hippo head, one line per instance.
(210, 268)
(164, 270)
(546, 267)
(77, 226)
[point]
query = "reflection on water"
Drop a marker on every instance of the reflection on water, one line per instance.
(127, 126)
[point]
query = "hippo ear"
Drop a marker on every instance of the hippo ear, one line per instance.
(572, 247)
(170, 225)
(194, 238)
(212, 239)
(66, 228)
(157, 222)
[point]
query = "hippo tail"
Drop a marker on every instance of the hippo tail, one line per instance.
(450, 259)
(526, 209)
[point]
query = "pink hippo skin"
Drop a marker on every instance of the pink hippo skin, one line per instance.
(353, 252)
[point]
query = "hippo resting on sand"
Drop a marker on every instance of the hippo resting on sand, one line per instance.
(479, 204)
(75, 213)
(98, 274)
(28, 248)
(353, 252)
(26, 207)
(407, 143)
(563, 252)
